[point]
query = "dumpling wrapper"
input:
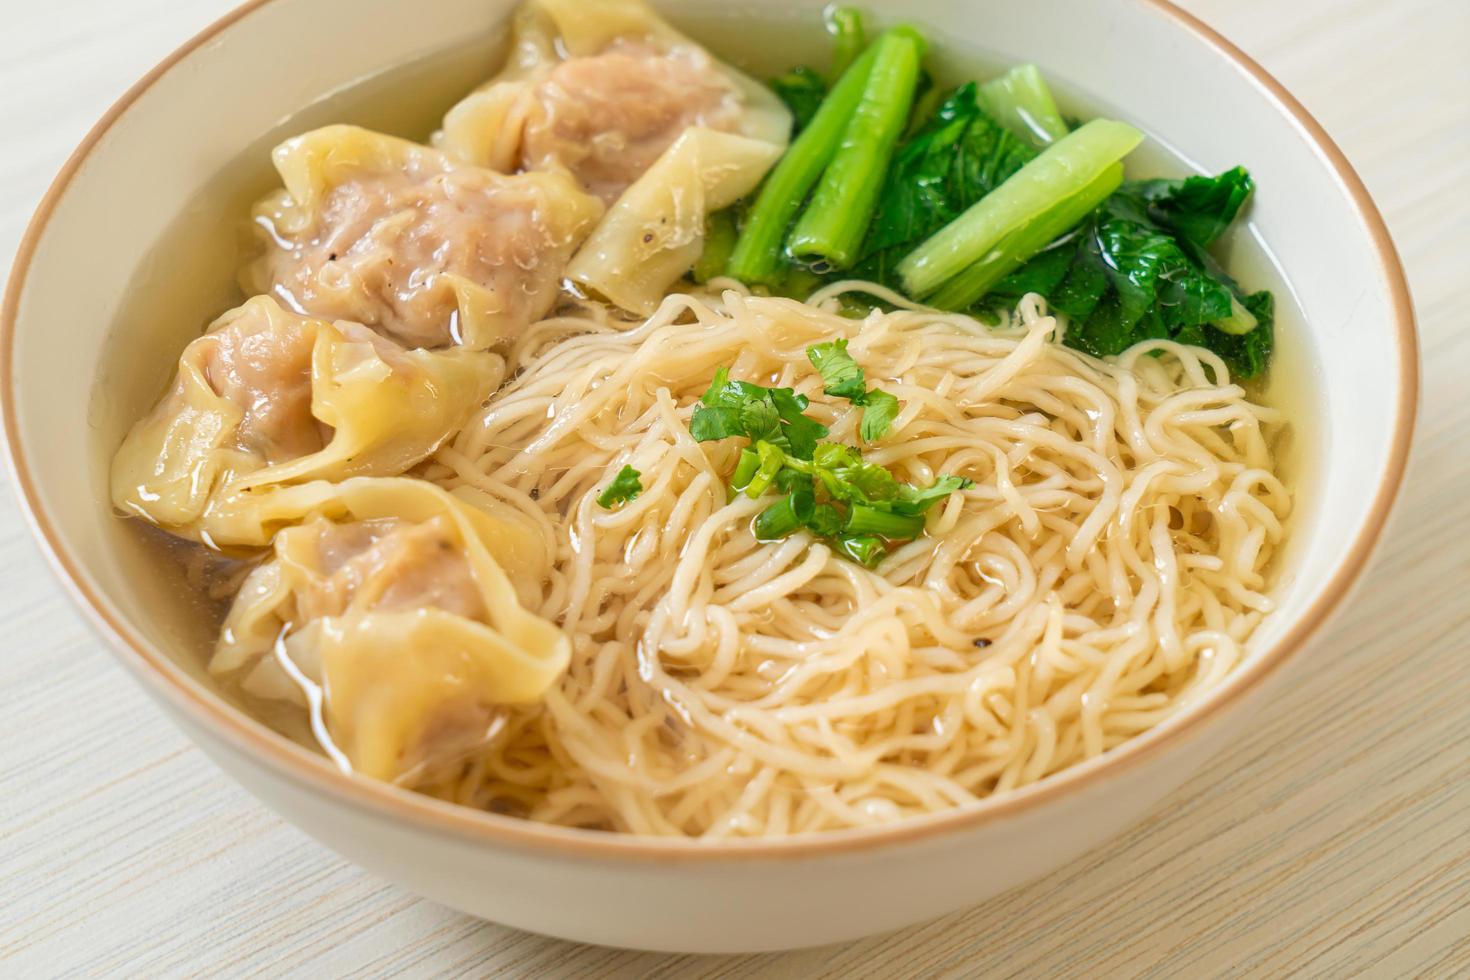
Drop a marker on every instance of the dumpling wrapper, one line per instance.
(655, 232)
(421, 246)
(603, 88)
(391, 603)
(267, 396)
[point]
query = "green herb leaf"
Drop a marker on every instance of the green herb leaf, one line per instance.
(802, 433)
(863, 508)
(879, 411)
(623, 488)
(709, 424)
(918, 500)
(739, 408)
(760, 419)
(841, 375)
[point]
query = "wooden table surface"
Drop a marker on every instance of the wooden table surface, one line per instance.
(1333, 841)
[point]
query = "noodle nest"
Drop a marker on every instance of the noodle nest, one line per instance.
(1103, 572)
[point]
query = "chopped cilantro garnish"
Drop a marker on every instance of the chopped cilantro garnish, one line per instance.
(623, 488)
(828, 489)
(842, 377)
(739, 408)
(879, 411)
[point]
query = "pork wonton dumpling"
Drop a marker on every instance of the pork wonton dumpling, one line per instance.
(390, 599)
(603, 88)
(268, 396)
(655, 232)
(425, 248)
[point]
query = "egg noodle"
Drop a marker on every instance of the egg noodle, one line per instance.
(1104, 570)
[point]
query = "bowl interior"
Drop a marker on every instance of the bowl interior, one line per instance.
(135, 258)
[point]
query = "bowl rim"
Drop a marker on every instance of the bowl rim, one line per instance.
(312, 771)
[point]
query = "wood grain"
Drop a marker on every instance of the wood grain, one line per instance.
(1334, 841)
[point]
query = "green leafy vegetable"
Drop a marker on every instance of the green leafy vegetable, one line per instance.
(1196, 209)
(803, 90)
(1020, 245)
(954, 159)
(1021, 101)
(1139, 269)
(1247, 355)
(964, 207)
(842, 377)
(1063, 169)
(623, 488)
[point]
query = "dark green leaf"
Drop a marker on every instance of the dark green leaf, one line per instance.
(803, 91)
(1138, 269)
(802, 433)
(739, 408)
(760, 419)
(709, 424)
(1197, 209)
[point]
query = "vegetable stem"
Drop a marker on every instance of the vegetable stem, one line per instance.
(845, 24)
(1020, 101)
(757, 254)
(1240, 321)
(745, 469)
(1059, 172)
(865, 549)
(863, 519)
(771, 461)
(786, 516)
(719, 242)
(1011, 252)
(832, 226)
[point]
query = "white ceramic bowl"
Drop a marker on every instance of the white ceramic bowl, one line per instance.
(69, 389)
